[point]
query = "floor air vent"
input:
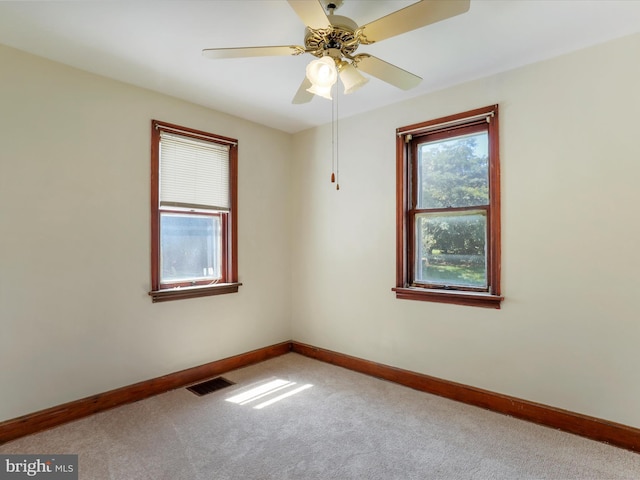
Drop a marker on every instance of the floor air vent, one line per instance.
(210, 386)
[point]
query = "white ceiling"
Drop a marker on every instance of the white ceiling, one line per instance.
(157, 44)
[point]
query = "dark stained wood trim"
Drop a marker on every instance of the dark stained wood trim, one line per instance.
(590, 427)
(458, 297)
(232, 233)
(401, 207)
(155, 203)
(444, 120)
(494, 252)
(52, 417)
(193, 292)
(597, 429)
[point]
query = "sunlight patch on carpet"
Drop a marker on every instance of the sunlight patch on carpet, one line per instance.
(268, 390)
(284, 395)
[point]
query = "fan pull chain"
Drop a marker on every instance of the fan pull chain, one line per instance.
(337, 139)
(333, 144)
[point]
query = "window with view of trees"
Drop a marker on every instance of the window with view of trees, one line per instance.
(448, 227)
(193, 213)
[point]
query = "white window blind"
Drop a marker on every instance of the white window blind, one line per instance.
(193, 173)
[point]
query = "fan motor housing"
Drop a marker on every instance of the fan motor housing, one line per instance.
(340, 35)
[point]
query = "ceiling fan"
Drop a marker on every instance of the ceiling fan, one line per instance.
(334, 39)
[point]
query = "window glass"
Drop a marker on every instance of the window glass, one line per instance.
(451, 249)
(190, 248)
(454, 172)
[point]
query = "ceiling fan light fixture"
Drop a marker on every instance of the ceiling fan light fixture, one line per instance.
(338, 37)
(323, 74)
(351, 78)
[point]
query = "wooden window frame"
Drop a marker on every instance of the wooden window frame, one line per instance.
(229, 222)
(406, 149)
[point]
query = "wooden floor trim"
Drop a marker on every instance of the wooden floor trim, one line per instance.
(52, 417)
(590, 427)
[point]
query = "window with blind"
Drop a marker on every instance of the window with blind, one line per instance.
(448, 212)
(193, 211)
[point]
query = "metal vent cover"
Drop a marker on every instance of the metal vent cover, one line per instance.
(210, 386)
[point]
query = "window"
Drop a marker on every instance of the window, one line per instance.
(193, 213)
(448, 210)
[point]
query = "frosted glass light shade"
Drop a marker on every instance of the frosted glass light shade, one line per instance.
(324, 92)
(322, 73)
(351, 78)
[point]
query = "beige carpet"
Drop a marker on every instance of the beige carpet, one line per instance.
(318, 421)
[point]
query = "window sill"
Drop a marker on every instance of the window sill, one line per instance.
(193, 292)
(474, 299)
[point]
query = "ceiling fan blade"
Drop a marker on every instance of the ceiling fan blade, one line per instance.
(387, 72)
(414, 16)
(302, 96)
(239, 52)
(311, 12)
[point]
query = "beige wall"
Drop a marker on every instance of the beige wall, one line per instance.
(568, 334)
(75, 317)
